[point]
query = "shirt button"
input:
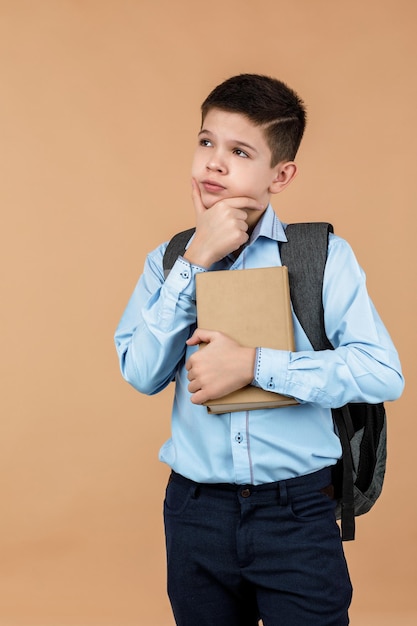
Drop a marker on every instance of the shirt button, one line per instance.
(185, 274)
(271, 384)
(245, 493)
(239, 438)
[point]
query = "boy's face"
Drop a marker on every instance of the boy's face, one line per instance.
(233, 159)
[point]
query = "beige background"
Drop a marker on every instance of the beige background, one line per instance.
(99, 109)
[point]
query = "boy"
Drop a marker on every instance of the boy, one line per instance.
(250, 530)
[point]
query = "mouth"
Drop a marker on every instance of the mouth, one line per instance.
(211, 186)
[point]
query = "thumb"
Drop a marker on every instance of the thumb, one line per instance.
(200, 336)
(196, 197)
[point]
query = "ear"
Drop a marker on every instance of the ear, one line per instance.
(284, 173)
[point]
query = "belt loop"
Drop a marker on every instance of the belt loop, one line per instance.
(283, 495)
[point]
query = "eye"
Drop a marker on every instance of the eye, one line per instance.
(241, 153)
(205, 142)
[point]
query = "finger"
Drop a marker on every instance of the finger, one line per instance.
(196, 197)
(248, 203)
(193, 340)
(194, 386)
(199, 397)
(190, 372)
(200, 336)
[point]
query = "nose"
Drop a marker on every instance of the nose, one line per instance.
(216, 163)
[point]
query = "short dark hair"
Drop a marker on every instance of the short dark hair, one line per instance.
(268, 103)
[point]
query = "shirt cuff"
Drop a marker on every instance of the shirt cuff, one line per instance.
(182, 277)
(271, 368)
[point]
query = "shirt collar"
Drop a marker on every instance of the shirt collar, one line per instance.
(269, 226)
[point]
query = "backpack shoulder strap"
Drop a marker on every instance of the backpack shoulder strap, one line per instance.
(175, 248)
(305, 255)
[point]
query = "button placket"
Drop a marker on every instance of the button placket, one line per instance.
(239, 448)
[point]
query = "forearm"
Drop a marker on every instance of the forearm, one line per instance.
(363, 367)
(331, 378)
(150, 357)
(159, 318)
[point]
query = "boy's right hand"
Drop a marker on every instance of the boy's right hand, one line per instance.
(220, 230)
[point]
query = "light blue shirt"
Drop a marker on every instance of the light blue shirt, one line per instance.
(273, 444)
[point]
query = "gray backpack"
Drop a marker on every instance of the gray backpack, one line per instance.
(359, 475)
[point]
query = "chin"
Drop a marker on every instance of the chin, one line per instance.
(209, 201)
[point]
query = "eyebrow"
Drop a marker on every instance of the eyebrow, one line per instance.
(237, 142)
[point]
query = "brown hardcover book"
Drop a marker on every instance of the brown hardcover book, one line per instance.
(253, 307)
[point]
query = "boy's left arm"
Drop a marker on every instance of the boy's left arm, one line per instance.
(364, 365)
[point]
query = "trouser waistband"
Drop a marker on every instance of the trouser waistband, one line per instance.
(291, 487)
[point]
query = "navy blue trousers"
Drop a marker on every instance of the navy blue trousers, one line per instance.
(240, 553)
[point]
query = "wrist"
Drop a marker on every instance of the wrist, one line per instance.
(196, 256)
(250, 364)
